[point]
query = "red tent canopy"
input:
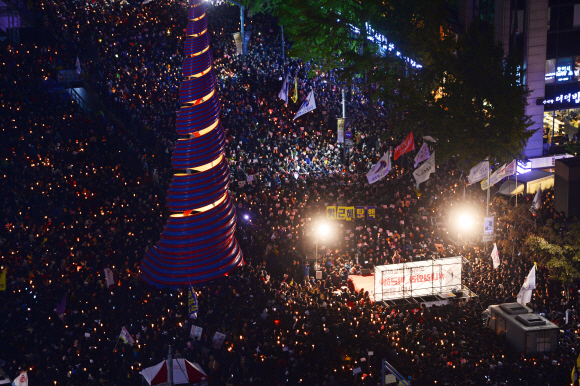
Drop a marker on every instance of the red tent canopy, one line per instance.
(184, 372)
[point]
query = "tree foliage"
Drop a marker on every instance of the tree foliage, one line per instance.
(479, 109)
(466, 94)
(557, 247)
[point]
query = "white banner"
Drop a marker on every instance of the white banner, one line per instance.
(423, 172)
(308, 105)
(478, 172)
(537, 203)
(525, 295)
(284, 92)
(418, 278)
(380, 169)
(505, 171)
(238, 41)
(21, 380)
(126, 337)
(495, 257)
(422, 155)
(340, 130)
(109, 277)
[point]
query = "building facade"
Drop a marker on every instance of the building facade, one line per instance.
(547, 35)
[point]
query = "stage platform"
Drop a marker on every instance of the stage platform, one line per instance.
(367, 283)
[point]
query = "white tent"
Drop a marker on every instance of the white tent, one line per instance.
(184, 372)
(528, 183)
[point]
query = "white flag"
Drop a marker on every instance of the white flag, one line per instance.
(126, 337)
(284, 92)
(109, 277)
(505, 171)
(525, 295)
(429, 138)
(21, 380)
(423, 172)
(495, 257)
(380, 169)
(478, 172)
(537, 203)
(422, 155)
(308, 105)
(78, 66)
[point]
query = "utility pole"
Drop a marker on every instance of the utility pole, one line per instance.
(282, 35)
(343, 103)
(244, 44)
(488, 185)
(170, 367)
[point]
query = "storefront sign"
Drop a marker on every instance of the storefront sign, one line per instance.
(564, 73)
(561, 96)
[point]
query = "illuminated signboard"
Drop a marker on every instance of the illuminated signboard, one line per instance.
(573, 97)
(564, 73)
(488, 226)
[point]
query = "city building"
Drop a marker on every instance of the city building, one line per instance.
(547, 35)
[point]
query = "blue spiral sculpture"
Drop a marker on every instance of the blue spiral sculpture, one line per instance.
(197, 243)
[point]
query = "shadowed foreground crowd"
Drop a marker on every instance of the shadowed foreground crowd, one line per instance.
(81, 194)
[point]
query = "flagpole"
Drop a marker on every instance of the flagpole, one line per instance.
(488, 185)
(282, 34)
(343, 104)
(516, 183)
(244, 47)
(170, 367)
(115, 349)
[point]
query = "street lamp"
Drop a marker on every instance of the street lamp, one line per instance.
(321, 232)
(465, 222)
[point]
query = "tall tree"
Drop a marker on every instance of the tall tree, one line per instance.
(465, 92)
(478, 109)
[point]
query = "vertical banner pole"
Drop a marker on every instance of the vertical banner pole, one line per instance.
(282, 35)
(516, 183)
(488, 184)
(242, 31)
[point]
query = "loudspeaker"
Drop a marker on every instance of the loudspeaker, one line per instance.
(567, 186)
(365, 271)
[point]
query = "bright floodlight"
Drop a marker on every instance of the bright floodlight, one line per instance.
(323, 230)
(246, 217)
(465, 221)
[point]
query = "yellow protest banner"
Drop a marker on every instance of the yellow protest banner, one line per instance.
(331, 212)
(3, 280)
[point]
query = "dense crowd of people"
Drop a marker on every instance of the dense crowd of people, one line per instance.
(82, 194)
